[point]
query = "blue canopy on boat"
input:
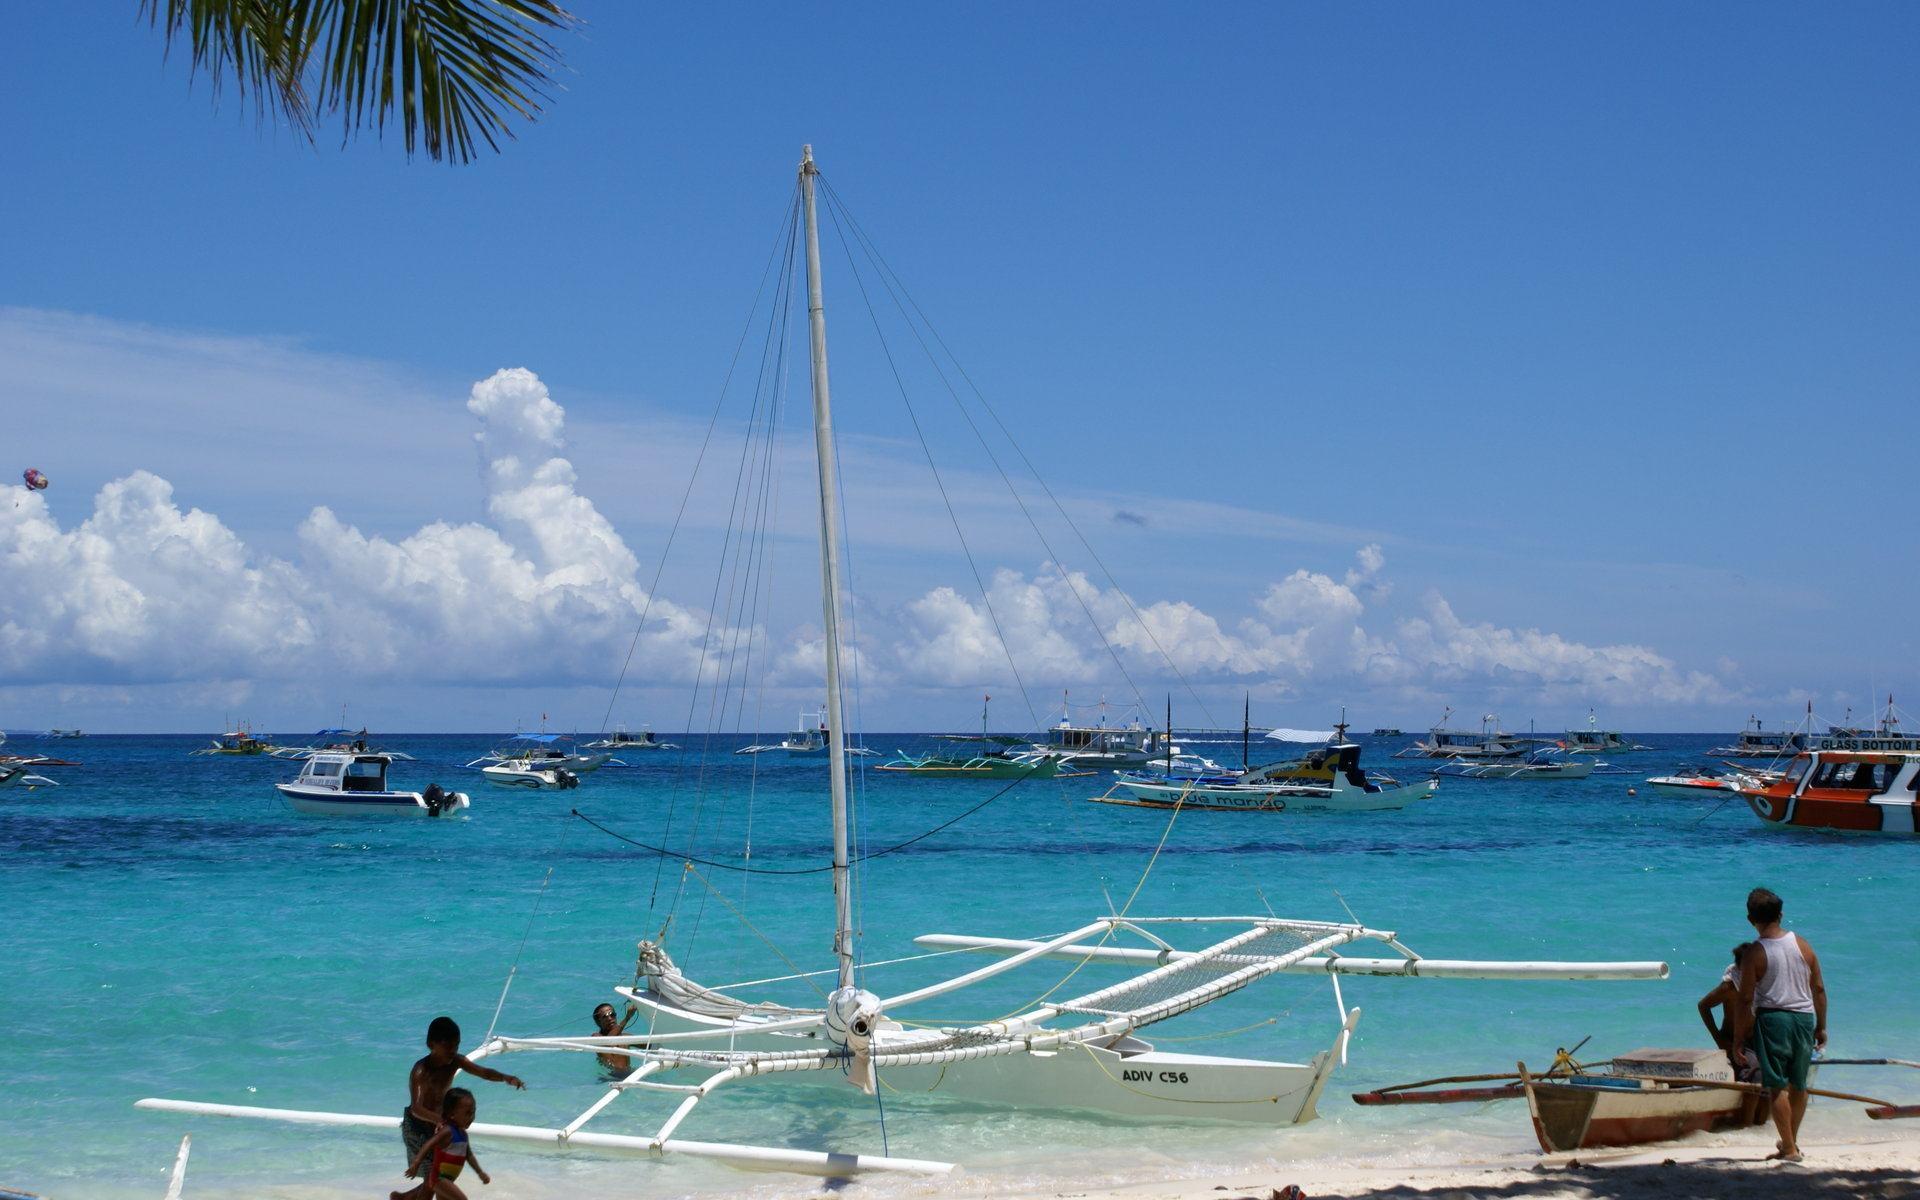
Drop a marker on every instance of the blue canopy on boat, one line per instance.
(538, 737)
(337, 732)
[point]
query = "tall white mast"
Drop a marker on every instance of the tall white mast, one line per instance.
(829, 580)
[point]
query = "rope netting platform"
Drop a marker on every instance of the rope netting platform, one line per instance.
(1207, 975)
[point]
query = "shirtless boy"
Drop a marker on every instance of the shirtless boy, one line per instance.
(431, 1077)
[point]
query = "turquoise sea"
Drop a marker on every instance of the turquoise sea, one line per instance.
(172, 929)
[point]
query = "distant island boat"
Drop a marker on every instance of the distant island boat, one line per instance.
(1100, 745)
(809, 737)
(239, 742)
(1385, 732)
(336, 784)
(65, 733)
(1757, 742)
(1490, 743)
(620, 739)
(1595, 740)
(338, 741)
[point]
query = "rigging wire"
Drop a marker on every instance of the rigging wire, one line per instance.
(515, 968)
(1053, 557)
(774, 319)
(886, 270)
(742, 580)
(869, 857)
(926, 449)
(720, 403)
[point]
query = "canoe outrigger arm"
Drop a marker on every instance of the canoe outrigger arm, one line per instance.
(828, 1164)
(1412, 966)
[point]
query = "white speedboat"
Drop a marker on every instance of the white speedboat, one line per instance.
(522, 773)
(540, 752)
(1329, 779)
(1702, 781)
(345, 784)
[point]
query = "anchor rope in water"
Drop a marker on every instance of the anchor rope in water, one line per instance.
(715, 864)
(515, 968)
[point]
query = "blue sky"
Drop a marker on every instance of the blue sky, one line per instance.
(1597, 322)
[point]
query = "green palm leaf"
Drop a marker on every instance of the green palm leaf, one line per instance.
(451, 73)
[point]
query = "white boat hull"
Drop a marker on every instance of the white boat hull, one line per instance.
(327, 802)
(526, 779)
(1525, 771)
(1275, 800)
(1693, 791)
(1129, 1079)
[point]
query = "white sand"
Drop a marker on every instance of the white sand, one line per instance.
(1882, 1168)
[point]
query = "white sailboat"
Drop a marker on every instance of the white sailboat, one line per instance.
(1081, 1052)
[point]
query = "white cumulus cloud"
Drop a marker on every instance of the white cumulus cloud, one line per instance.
(1308, 628)
(144, 592)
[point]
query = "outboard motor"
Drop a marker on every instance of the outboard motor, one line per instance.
(435, 797)
(566, 779)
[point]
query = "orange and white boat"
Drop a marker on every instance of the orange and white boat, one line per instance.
(1852, 790)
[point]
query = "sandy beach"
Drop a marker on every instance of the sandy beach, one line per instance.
(1886, 1167)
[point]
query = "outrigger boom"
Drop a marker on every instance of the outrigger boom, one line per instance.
(828, 1164)
(1421, 968)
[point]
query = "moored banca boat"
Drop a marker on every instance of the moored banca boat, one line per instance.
(1329, 779)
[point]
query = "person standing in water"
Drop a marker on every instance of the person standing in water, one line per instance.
(1784, 998)
(605, 1024)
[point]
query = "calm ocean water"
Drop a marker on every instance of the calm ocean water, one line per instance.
(172, 929)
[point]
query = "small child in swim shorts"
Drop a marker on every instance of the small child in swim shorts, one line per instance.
(447, 1152)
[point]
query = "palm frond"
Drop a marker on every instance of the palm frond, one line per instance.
(245, 42)
(451, 73)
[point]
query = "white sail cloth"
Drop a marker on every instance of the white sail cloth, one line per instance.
(852, 1014)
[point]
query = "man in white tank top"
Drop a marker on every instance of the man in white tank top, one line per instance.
(1785, 998)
